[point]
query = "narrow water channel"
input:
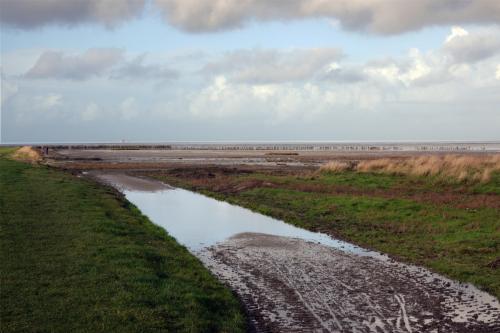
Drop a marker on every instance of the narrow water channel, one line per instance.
(198, 221)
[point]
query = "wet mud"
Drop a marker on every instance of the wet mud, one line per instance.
(291, 285)
(124, 182)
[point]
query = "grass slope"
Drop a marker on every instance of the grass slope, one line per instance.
(76, 258)
(399, 215)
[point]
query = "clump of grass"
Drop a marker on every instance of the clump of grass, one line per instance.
(336, 166)
(462, 168)
(27, 154)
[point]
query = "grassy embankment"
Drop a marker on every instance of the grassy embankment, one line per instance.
(448, 224)
(77, 258)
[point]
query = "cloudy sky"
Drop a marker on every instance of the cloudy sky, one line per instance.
(190, 70)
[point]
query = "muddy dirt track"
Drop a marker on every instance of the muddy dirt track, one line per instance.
(289, 285)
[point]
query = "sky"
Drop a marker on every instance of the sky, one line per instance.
(249, 70)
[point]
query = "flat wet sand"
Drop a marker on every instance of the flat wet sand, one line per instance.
(290, 285)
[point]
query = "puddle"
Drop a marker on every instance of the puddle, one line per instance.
(198, 221)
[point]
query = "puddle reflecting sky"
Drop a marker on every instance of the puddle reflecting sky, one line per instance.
(198, 221)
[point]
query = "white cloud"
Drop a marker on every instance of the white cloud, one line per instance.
(497, 74)
(418, 69)
(413, 68)
(333, 66)
(389, 72)
(278, 103)
(264, 92)
(218, 100)
(456, 32)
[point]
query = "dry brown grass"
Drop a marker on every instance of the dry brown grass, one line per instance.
(27, 154)
(477, 168)
(335, 166)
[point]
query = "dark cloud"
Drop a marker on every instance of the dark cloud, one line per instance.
(376, 16)
(29, 14)
(383, 17)
(93, 62)
(104, 62)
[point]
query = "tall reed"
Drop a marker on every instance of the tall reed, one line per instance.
(477, 168)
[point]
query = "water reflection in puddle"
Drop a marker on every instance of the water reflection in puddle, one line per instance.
(198, 221)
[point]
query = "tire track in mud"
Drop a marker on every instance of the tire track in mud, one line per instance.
(290, 285)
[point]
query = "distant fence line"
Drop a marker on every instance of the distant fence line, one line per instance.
(289, 147)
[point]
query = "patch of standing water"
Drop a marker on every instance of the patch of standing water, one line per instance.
(198, 221)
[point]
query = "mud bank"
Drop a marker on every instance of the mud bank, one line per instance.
(290, 285)
(124, 182)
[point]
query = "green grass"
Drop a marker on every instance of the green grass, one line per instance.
(77, 258)
(359, 180)
(7, 151)
(382, 181)
(491, 187)
(457, 242)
